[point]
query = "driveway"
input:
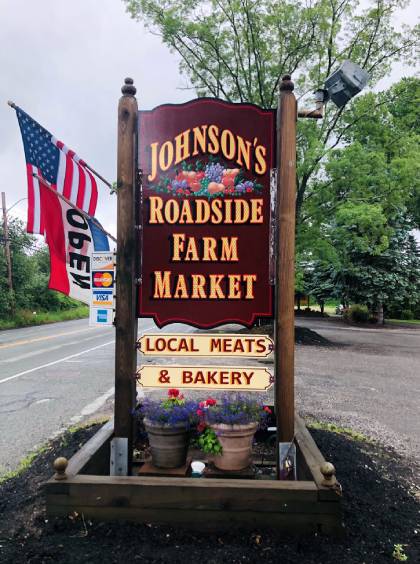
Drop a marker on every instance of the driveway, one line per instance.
(369, 380)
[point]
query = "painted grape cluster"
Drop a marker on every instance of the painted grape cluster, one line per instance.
(210, 180)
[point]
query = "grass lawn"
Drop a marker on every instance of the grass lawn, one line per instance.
(25, 318)
(398, 321)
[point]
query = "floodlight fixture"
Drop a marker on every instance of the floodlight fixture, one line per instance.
(344, 83)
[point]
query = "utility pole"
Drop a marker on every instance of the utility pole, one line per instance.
(7, 243)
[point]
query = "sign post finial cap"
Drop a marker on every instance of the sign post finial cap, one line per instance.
(286, 83)
(128, 88)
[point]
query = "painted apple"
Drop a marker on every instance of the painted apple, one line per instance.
(195, 187)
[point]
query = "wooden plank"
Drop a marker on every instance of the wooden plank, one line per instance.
(313, 458)
(271, 485)
(285, 274)
(125, 318)
(85, 454)
(208, 520)
(164, 495)
(193, 500)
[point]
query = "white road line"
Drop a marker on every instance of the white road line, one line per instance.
(54, 362)
(48, 349)
(93, 406)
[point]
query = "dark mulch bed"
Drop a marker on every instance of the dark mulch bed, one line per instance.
(379, 511)
(303, 335)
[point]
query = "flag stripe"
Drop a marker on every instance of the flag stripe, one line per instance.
(82, 189)
(75, 185)
(94, 197)
(31, 199)
(68, 179)
(61, 172)
(88, 190)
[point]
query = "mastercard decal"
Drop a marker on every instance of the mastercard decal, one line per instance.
(102, 279)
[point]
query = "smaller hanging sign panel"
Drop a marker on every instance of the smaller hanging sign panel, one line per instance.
(102, 289)
(206, 345)
(240, 378)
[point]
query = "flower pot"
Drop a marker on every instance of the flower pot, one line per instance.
(236, 441)
(169, 444)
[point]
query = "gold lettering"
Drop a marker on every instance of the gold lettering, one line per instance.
(153, 148)
(166, 155)
(200, 137)
(182, 146)
(229, 249)
(162, 284)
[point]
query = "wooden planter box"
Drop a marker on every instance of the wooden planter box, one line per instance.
(302, 505)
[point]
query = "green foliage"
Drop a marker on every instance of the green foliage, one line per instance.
(24, 317)
(357, 220)
(209, 443)
(358, 193)
(399, 554)
(407, 314)
(357, 313)
(239, 49)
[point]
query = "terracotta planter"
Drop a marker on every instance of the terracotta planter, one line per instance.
(236, 441)
(169, 444)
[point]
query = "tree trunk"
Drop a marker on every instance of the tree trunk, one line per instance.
(380, 313)
(322, 307)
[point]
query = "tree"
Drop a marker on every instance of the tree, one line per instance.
(359, 217)
(239, 49)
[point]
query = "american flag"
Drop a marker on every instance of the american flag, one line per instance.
(60, 166)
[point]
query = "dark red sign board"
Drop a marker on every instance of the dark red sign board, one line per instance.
(205, 212)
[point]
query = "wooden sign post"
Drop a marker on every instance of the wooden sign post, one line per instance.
(285, 270)
(125, 320)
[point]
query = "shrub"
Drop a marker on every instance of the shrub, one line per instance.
(357, 313)
(407, 314)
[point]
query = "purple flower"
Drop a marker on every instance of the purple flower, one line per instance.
(236, 409)
(159, 411)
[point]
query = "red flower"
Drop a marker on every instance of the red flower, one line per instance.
(173, 393)
(202, 404)
(267, 409)
(200, 412)
(211, 402)
(201, 426)
(180, 191)
(249, 189)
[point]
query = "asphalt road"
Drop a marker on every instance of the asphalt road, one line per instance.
(53, 376)
(368, 381)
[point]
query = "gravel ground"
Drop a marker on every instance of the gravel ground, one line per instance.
(369, 380)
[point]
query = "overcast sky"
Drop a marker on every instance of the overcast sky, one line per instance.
(64, 64)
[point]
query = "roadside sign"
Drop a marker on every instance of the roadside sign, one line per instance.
(102, 279)
(206, 213)
(240, 378)
(102, 261)
(208, 344)
(102, 298)
(102, 289)
(101, 316)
